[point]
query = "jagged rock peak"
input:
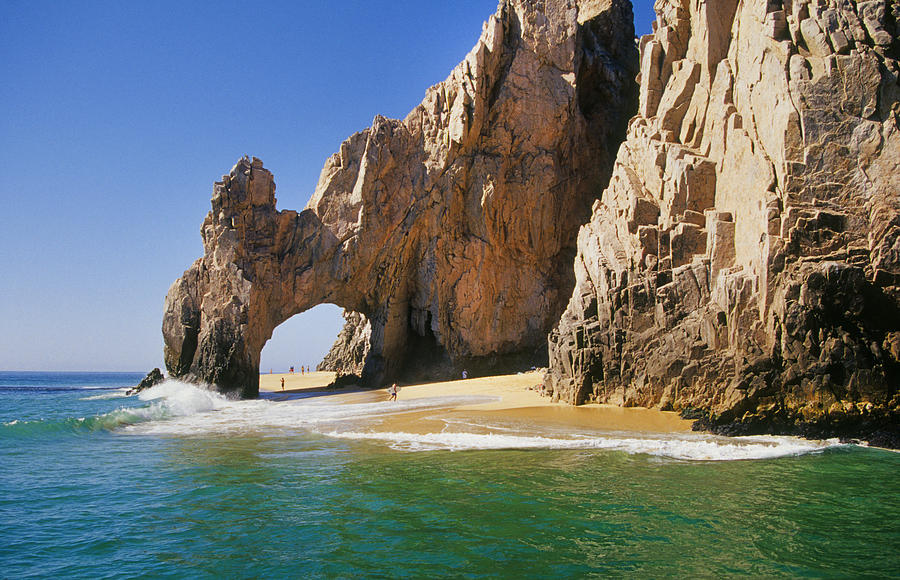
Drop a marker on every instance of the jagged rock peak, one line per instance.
(745, 258)
(450, 232)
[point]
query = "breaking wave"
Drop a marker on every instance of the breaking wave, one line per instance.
(168, 400)
(176, 409)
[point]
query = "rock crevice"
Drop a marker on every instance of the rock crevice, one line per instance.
(743, 260)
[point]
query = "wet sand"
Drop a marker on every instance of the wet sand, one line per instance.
(517, 406)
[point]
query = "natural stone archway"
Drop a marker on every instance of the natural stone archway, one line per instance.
(301, 340)
(450, 232)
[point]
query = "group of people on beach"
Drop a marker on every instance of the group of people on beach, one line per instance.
(303, 370)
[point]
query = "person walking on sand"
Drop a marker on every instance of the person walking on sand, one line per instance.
(465, 374)
(282, 383)
(392, 391)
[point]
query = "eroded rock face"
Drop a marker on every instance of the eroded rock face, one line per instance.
(348, 355)
(745, 258)
(451, 231)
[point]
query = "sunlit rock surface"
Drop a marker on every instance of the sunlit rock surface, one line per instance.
(451, 232)
(745, 259)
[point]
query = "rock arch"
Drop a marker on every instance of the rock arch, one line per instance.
(451, 232)
(298, 341)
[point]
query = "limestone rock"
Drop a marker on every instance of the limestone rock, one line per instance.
(451, 232)
(777, 123)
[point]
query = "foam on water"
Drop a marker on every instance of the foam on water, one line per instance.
(277, 416)
(183, 399)
(169, 400)
(696, 447)
(184, 410)
(179, 409)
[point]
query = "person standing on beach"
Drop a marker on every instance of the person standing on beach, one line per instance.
(282, 383)
(392, 391)
(465, 374)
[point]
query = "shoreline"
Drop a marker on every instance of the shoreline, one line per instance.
(516, 405)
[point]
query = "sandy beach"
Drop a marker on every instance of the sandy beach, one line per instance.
(483, 404)
(295, 382)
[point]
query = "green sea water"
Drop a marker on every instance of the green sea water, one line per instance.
(94, 484)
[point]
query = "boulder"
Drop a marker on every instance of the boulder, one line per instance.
(153, 378)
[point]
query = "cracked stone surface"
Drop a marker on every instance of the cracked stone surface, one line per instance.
(744, 262)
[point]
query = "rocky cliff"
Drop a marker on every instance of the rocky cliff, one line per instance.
(743, 263)
(449, 233)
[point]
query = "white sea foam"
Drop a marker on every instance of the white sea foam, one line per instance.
(180, 409)
(183, 399)
(168, 401)
(698, 447)
(187, 411)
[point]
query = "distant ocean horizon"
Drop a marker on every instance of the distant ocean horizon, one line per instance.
(111, 379)
(183, 483)
(67, 372)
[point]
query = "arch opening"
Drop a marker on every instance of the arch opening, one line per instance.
(302, 340)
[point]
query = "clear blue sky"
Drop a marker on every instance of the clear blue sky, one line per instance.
(118, 116)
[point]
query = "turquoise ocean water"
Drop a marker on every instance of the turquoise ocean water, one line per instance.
(181, 483)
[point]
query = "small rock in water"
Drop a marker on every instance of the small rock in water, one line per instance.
(154, 377)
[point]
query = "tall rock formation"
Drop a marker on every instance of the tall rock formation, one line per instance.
(745, 258)
(450, 232)
(348, 355)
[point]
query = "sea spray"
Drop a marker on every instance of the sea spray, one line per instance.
(181, 399)
(166, 401)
